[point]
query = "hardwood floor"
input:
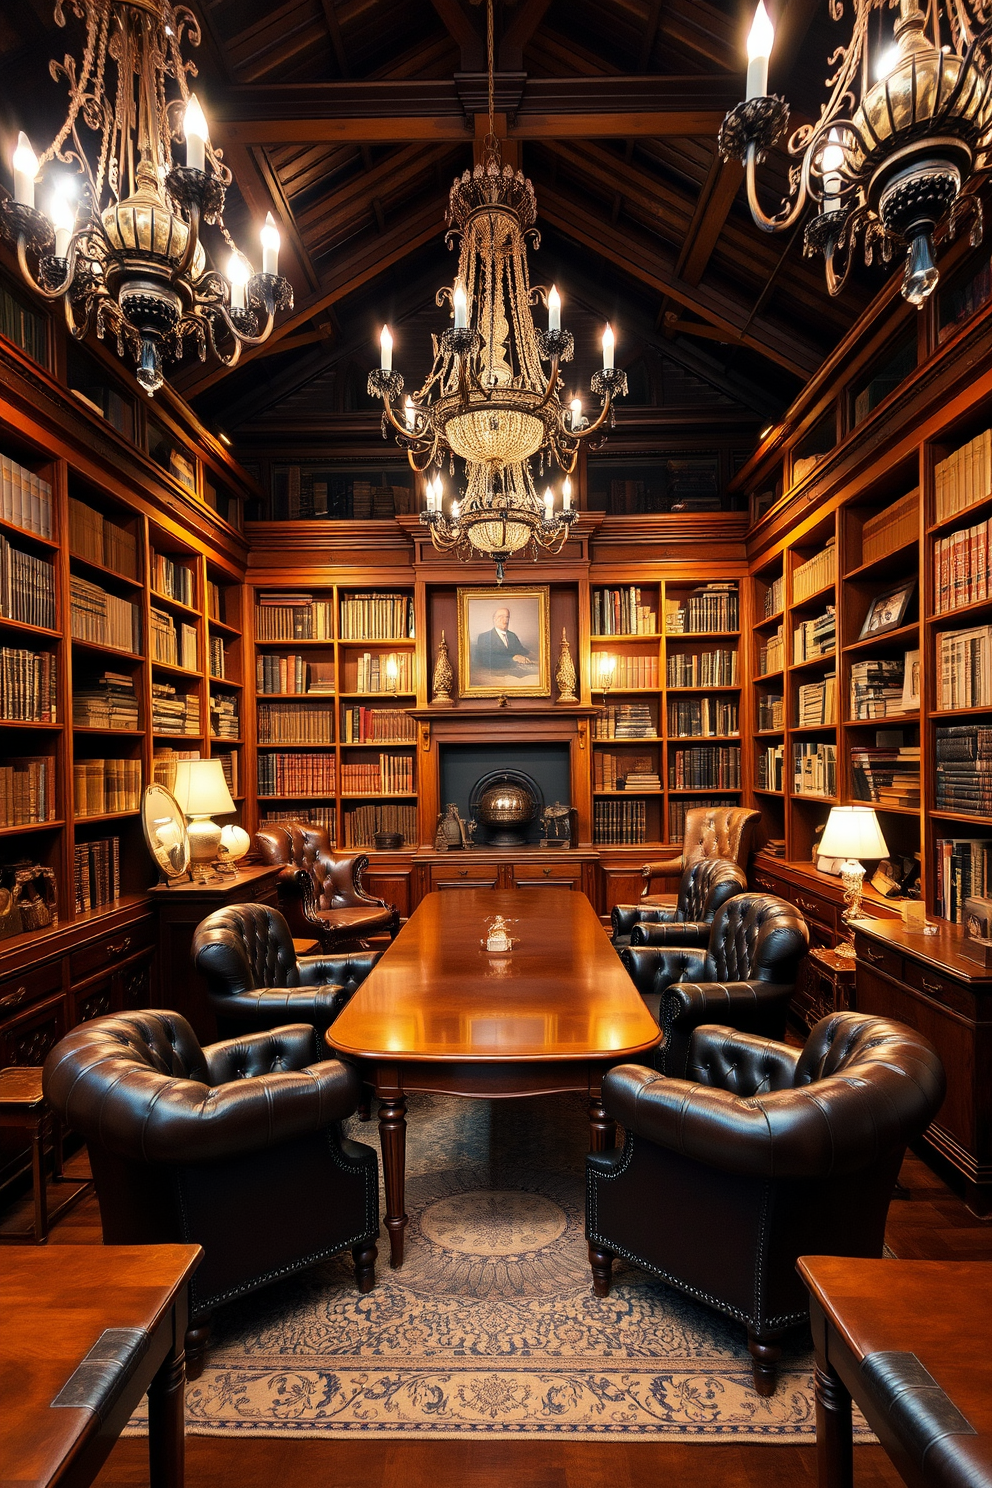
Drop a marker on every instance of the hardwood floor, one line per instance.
(929, 1222)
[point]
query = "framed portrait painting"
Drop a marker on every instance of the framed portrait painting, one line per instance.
(504, 643)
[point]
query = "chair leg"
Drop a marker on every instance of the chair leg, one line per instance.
(365, 1266)
(765, 1354)
(197, 1343)
(601, 1261)
(364, 1110)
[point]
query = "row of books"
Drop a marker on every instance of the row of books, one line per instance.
(297, 775)
(28, 686)
(677, 812)
(964, 769)
(631, 672)
(101, 540)
(891, 529)
(964, 477)
(224, 719)
(102, 618)
(173, 643)
(964, 668)
(215, 602)
(293, 673)
(25, 499)
(883, 687)
(27, 791)
(27, 587)
(173, 578)
(384, 672)
(621, 612)
(698, 718)
(626, 721)
(389, 775)
(961, 567)
(964, 871)
(369, 500)
(106, 702)
(711, 608)
(705, 767)
(814, 769)
(174, 712)
(164, 763)
(96, 873)
(26, 328)
(317, 816)
(775, 596)
(771, 711)
(361, 823)
(701, 669)
(771, 654)
(618, 823)
(815, 638)
(295, 723)
(887, 772)
(229, 764)
(817, 701)
(815, 574)
(101, 786)
(377, 726)
(217, 653)
(611, 772)
(283, 617)
(771, 768)
(377, 617)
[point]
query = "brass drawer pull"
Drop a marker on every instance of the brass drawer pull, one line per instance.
(933, 987)
(871, 955)
(120, 947)
(14, 999)
(805, 904)
(547, 872)
(463, 873)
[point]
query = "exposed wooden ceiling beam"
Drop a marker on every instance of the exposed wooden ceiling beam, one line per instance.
(650, 34)
(337, 40)
(525, 20)
(456, 22)
(712, 210)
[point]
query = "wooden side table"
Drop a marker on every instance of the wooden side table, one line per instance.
(832, 979)
(23, 1108)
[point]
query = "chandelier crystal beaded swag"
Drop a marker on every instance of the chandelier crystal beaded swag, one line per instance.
(126, 257)
(899, 150)
(487, 398)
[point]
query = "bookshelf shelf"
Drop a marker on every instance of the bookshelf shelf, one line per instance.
(186, 673)
(704, 790)
(94, 648)
(961, 816)
(31, 726)
(165, 736)
(769, 733)
(984, 709)
(966, 517)
(769, 622)
(701, 635)
(22, 628)
(898, 638)
(224, 629)
(770, 676)
(186, 611)
(26, 535)
(884, 810)
(631, 795)
(980, 610)
(814, 663)
(225, 682)
(104, 816)
(100, 572)
(760, 790)
(734, 687)
(816, 599)
(653, 636)
(108, 733)
(904, 555)
(812, 728)
(44, 826)
(379, 697)
(895, 720)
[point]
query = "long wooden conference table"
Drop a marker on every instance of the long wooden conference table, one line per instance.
(440, 1013)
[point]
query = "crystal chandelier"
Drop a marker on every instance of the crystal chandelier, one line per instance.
(126, 258)
(487, 398)
(898, 152)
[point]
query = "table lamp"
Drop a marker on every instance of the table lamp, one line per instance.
(201, 791)
(852, 833)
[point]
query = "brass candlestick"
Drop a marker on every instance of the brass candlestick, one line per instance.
(444, 677)
(565, 672)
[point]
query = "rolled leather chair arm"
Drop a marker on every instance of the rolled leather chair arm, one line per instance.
(833, 1126)
(625, 916)
(744, 1063)
(346, 970)
(317, 1006)
(666, 868)
(652, 970)
(754, 1007)
(692, 934)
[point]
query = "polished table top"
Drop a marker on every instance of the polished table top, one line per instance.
(560, 994)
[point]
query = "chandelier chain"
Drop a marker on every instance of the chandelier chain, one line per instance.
(492, 151)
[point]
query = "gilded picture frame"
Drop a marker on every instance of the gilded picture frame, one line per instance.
(504, 655)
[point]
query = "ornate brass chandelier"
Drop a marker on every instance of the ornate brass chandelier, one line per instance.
(899, 150)
(487, 398)
(127, 259)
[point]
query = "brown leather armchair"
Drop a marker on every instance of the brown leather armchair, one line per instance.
(704, 886)
(235, 1147)
(710, 832)
(255, 980)
(765, 1153)
(745, 977)
(320, 895)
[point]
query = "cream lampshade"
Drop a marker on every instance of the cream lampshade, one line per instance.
(852, 833)
(202, 792)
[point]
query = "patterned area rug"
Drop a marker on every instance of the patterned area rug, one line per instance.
(491, 1325)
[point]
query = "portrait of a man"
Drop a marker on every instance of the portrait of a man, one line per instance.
(503, 642)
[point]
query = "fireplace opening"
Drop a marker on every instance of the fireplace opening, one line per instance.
(468, 770)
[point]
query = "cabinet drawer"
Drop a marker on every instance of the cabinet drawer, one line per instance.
(762, 883)
(880, 957)
(19, 992)
(459, 875)
(96, 954)
(558, 875)
(29, 1039)
(940, 988)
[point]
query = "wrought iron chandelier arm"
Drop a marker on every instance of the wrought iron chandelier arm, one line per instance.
(788, 216)
(552, 386)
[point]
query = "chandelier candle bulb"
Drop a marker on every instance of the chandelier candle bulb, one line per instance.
(460, 301)
(576, 407)
(197, 134)
(410, 413)
(554, 309)
(566, 494)
(238, 274)
(63, 216)
(25, 170)
(830, 163)
(271, 242)
(385, 350)
(609, 341)
(549, 502)
(759, 48)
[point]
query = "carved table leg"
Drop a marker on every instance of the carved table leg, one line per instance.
(392, 1137)
(601, 1261)
(834, 1439)
(602, 1127)
(166, 1419)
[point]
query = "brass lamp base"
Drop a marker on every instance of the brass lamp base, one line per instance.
(204, 845)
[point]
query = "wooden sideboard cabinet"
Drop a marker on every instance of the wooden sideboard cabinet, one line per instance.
(926, 982)
(508, 868)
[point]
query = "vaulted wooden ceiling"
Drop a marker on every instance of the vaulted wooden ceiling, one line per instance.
(349, 118)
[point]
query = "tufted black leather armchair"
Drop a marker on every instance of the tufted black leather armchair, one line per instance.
(235, 1147)
(765, 1153)
(745, 977)
(322, 895)
(704, 886)
(255, 979)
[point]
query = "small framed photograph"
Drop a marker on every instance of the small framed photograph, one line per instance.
(504, 642)
(888, 611)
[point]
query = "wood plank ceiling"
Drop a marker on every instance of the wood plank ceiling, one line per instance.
(348, 120)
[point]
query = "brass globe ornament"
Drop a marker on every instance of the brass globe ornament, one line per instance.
(895, 159)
